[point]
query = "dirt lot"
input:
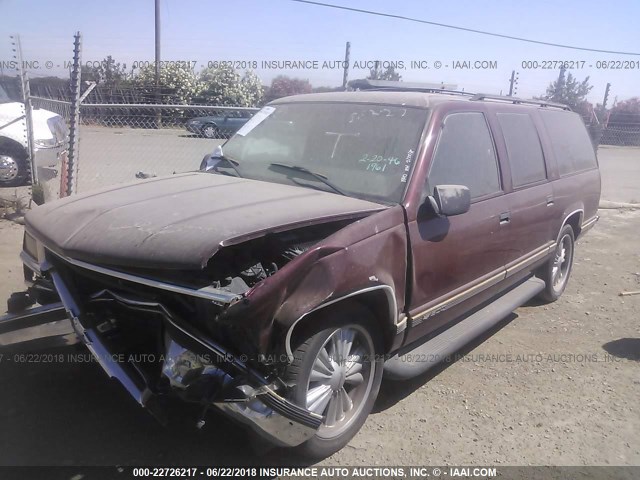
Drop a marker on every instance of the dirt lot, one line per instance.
(553, 385)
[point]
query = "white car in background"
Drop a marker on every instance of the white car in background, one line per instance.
(50, 140)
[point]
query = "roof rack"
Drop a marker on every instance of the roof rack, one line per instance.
(516, 100)
(389, 85)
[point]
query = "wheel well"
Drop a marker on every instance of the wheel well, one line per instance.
(376, 302)
(10, 144)
(575, 220)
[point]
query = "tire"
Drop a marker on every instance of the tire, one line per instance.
(13, 166)
(557, 270)
(210, 131)
(346, 390)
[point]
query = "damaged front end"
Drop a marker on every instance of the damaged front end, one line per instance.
(161, 336)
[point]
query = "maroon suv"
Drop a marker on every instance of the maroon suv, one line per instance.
(335, 237)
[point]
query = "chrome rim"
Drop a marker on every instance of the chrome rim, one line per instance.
(341, 379)
(209, 132)
(562, 263)
(8, 168)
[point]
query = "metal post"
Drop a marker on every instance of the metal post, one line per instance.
(74, 120)
(158, 114)
(28, 111)
(513, 77)
(606, 97)
(347, 55)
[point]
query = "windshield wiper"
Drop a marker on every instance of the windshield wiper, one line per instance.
(217, 154)
(318, 176)
(232, 163)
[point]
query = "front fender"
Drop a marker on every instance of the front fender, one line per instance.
(371, 252)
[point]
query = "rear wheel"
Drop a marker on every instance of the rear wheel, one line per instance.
(557, 270)
(336, 373)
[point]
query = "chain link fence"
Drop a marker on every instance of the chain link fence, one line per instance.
(124, 142)
(621, 135)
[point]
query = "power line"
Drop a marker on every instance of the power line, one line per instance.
(417, 20)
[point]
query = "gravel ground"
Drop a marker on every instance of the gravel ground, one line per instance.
(552, 385)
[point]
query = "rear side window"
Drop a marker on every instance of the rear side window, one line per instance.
(465, 155)
(570, 141)
(523, 147)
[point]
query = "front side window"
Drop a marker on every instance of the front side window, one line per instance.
(365, 150)
(465, 155)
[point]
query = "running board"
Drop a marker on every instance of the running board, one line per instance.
(417, 361)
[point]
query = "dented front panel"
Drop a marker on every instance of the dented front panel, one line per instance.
(367, 253)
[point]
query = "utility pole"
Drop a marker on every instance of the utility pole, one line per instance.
(513, 83)
(159, 113)
(347, 55)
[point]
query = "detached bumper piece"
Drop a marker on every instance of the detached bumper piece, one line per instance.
(32, 317)
(202, 372)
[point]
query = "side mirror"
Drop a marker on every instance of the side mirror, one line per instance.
(449, 200)
(210, 160)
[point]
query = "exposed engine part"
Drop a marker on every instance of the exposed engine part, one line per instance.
(295, 250)
(259, 259)
(183, 367)
(235, 285)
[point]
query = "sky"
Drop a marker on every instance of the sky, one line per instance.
(260, 31)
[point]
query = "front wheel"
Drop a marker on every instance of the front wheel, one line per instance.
(210, 131)
(557, 270)
(13, 167)
(336, 373)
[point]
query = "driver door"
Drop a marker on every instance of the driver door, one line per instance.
(457, 259)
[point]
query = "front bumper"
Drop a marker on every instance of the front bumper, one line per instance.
(50, 157)
(247, 395)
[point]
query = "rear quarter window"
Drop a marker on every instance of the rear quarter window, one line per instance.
(569, 140)
(523, 147)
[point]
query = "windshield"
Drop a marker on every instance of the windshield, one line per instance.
(360, 150)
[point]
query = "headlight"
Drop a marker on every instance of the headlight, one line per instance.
(30, 245)
(46, 142)
(59, 132)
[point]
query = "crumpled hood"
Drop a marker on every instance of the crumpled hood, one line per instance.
(180, 221)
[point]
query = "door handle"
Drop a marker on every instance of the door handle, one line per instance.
(505, 218)
(549, 200)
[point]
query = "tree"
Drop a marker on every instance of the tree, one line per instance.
(630, 106)
(327, 89)
(389, 74)
(569, 91)
(224, 86)
(178, 83)
(111, 73)
(89, 73)
(626, 112)
(283, 86)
